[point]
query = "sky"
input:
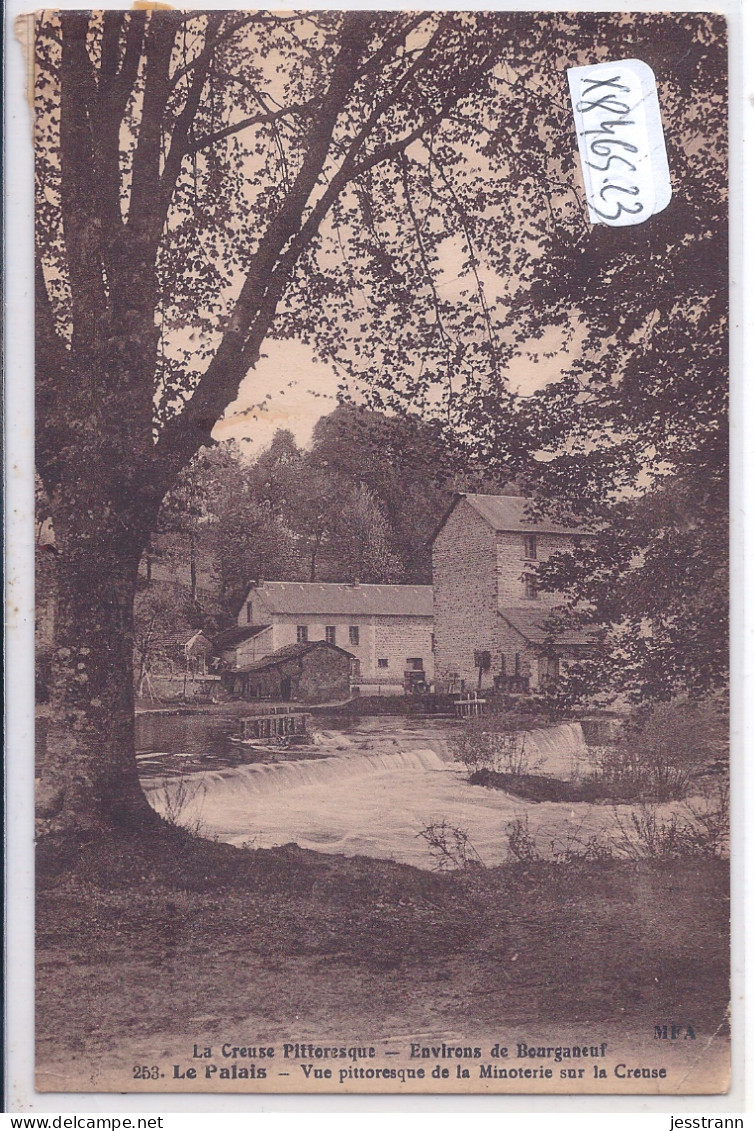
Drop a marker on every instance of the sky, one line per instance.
(299, 390)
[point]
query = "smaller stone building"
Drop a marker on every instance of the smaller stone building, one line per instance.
(315, 672)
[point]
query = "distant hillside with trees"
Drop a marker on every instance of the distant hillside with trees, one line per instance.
(360, 504)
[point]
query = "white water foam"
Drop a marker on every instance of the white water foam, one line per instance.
(377, 803)
(559, 750)
(263, 778)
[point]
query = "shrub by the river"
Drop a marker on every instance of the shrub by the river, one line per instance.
(450, 846)
(662, 750)
(175, 795)
(495, 743)
(701, 829)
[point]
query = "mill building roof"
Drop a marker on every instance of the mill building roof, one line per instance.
(532, 625)
(510, 513)
(330, 598)
(231, 637)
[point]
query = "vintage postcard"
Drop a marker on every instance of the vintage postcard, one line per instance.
(381, 551)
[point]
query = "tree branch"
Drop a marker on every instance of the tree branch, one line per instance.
(444, 338)
(264, 118)
(115, 87)
(78, 190)
(186, 432)
(210, 47)
(145, 172)
(112, 25)
(460, 212)
(179, 146)
(266, 281)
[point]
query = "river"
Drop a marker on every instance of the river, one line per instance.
(369, 787)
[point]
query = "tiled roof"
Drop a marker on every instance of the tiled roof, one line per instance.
(233, 636)
(291, 652)
(509, 513)
(177, 639)
(531, 623)
(340, 597)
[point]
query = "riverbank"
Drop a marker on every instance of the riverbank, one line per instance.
(170, 938)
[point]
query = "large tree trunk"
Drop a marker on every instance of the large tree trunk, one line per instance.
(89, 779)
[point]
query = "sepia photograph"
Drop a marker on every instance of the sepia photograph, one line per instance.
(381, 551)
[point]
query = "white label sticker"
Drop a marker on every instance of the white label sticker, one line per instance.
(621, 143)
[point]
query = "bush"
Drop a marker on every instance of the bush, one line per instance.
(627, 774)
(696, 831)
(521, 844)
(699, 830)
(495, 743)
(450, 846)
(174, 795)
(662, 749)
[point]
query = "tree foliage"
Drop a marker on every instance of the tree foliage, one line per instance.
(633, 437)
(360, 504)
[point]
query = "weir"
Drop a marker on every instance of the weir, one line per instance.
(281, 777)
(376, 801)
(563, 740)
(558, 751)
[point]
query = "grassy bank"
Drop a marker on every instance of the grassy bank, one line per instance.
(173, 933)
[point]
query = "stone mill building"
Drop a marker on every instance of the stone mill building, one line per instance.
(490, 618)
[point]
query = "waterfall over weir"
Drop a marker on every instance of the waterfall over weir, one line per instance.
(263, 778)
(559, 750)
(369, 797)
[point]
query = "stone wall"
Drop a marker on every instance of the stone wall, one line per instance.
(464, 574)
(187, 686)
(512, 565)
(320, 676)
(325, 675)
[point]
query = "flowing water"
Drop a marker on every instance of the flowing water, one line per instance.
(559, 750)
(369, 790)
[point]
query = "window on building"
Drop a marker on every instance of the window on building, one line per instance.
(530, 547)
(382, 663)
(353, 634)
(415, 664)
(548, 671)
(530, 588)
(248, 612)
(330, 633)
(302, 633)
